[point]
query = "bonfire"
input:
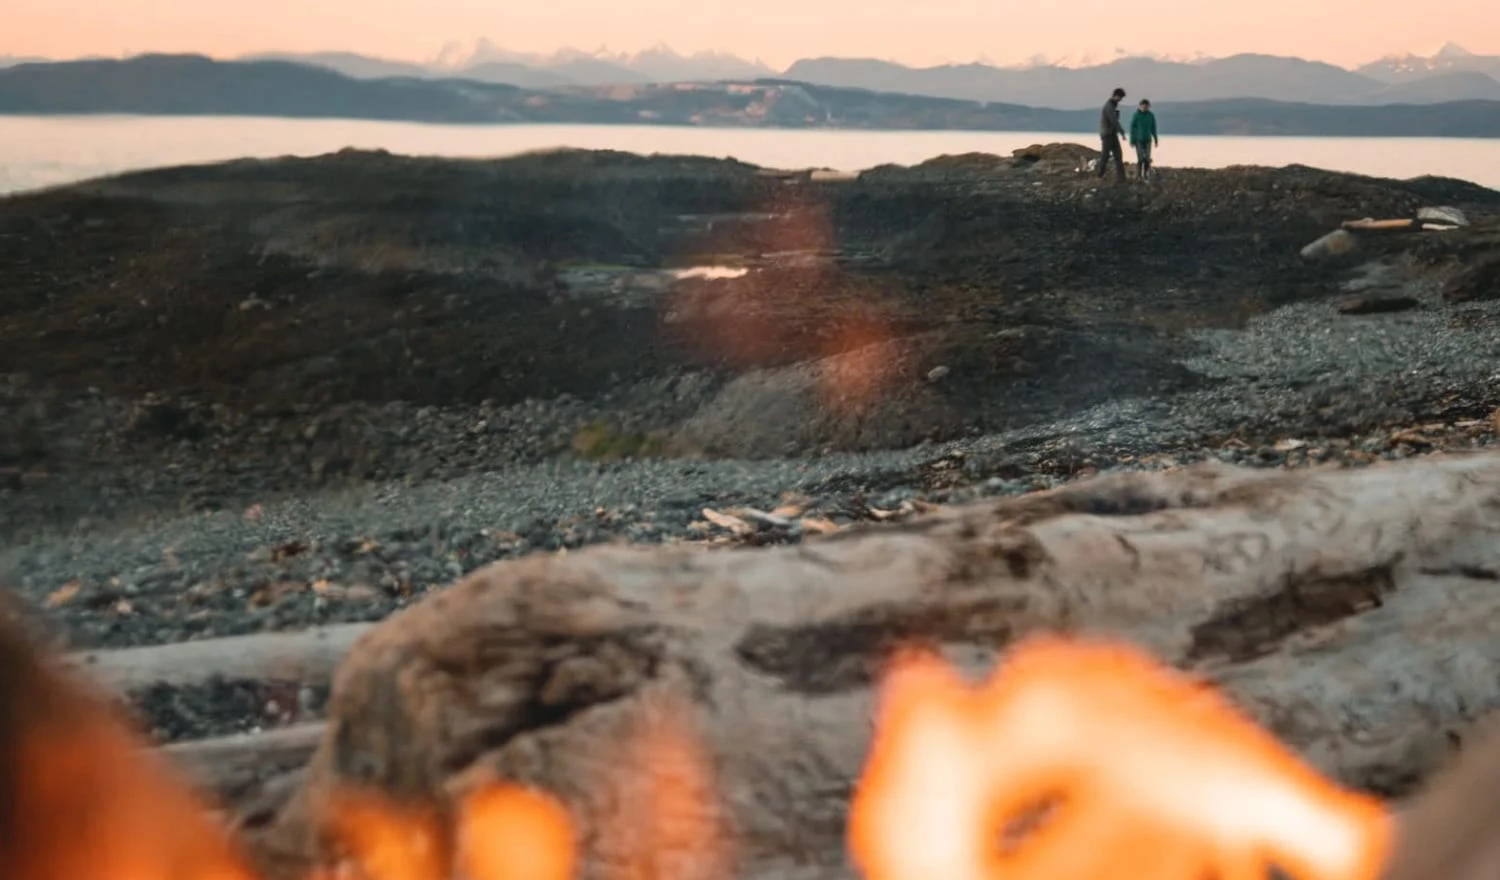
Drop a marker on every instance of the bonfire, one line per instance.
(1076, 760)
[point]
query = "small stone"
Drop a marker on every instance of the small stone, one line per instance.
(1334, 244)
(1375, 305)
(938, 373)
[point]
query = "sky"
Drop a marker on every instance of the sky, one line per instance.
(1345, 32)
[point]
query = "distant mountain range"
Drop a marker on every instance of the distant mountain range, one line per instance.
(195, 85)
(1239, 76)
(487, 62)
(1451, 74)
(1452, 59)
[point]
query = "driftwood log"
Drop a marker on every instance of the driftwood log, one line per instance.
(243, 773)
(726, 696)
(308, 655)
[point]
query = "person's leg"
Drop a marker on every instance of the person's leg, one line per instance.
(1103, 155)
(1119, 151)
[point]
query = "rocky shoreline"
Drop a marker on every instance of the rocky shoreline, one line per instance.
(265, 395)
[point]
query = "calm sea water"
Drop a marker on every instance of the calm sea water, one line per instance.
(45, 151)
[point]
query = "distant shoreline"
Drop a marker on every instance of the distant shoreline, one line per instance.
(1084, 135)
(43, 151)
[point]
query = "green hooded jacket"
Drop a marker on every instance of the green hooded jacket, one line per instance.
(1143, 128)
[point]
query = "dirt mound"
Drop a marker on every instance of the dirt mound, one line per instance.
(975, 161)
(878, 396)
(1057, 153)
(1448, 191)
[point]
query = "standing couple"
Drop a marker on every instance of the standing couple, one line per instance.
(1142, 136)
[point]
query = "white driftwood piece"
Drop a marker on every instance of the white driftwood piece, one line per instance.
(230, 766)
(1350, 610)
(306, 655)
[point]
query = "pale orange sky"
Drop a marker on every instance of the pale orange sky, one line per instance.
(1345, 32)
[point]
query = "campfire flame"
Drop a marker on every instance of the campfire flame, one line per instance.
(1120, 765)
(1078, 760)
(502, 832)
(81, 797)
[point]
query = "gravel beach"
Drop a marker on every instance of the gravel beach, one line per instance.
(199, 494)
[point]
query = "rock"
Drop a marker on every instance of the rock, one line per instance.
(1479, 281)
(1445, 215)
(938, 373)
(1334, 244)
(1375, 305)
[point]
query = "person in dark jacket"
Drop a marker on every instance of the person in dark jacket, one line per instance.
(1143, 137)
(1110, 133)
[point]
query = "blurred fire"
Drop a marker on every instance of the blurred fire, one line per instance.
(502, 832)
(1078, 760)
(1112, 763)
(79, 792)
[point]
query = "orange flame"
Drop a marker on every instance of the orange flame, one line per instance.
(1141, 766)
(379, 840)
(502, 832)
(512, 833)
(81, 797)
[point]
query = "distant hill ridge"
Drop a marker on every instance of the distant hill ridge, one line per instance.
(1451, 74)
(196, 85)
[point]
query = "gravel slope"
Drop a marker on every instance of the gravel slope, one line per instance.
(1301, 373)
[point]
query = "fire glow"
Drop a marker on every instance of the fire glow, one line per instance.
(1125, 766)
(1115, 765)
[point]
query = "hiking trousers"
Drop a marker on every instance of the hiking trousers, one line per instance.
(1143, 159)
(1112, 148)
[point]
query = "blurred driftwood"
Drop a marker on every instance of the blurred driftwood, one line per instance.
(1348, 609)
(305, 655)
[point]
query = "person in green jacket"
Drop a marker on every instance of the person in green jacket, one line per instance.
(1143, 137)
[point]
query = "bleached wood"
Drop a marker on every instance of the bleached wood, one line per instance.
(1350, 610)
(306, 655)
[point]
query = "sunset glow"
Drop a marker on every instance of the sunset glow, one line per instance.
(1346, 32)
